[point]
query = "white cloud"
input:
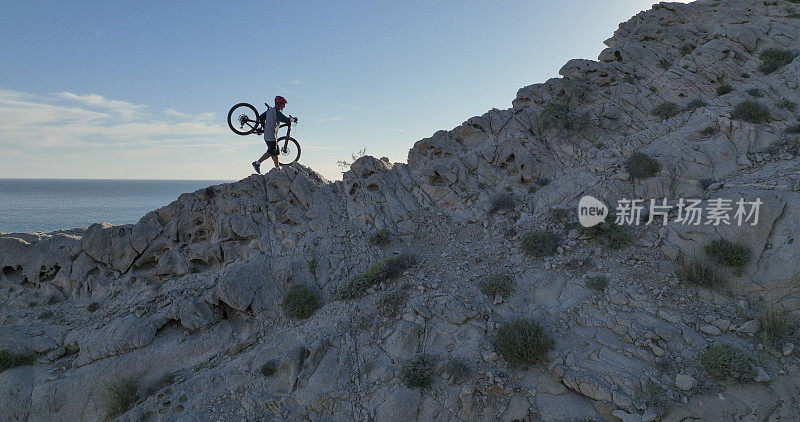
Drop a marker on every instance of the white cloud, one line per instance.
(330, 119)
(122, 108)
(31, 123)
(175, 113)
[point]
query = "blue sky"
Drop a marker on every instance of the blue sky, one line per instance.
(141, 90)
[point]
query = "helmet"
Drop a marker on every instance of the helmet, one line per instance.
(279, 99)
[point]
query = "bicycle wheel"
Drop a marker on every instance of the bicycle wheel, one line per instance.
(243, 119)
(289, 152)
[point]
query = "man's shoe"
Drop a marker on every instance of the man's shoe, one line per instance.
(257, 166)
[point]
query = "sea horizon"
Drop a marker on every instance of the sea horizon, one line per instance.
(46, 205)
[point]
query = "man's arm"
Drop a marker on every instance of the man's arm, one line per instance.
(281, 118)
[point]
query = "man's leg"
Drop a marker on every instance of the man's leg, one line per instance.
(275, 160)
(263, 157)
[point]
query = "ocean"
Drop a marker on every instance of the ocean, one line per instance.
(42, 205)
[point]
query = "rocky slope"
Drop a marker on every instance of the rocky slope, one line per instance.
(184, 307)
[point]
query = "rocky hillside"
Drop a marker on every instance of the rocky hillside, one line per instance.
(458, 286)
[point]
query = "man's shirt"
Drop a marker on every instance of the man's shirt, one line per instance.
(271, 120)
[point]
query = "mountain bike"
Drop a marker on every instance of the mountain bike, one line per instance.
(244, 119)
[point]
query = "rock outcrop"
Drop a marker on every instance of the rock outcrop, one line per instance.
(185, 306)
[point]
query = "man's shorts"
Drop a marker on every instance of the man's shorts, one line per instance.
(272, 147)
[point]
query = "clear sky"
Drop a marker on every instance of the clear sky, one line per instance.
(141, 90)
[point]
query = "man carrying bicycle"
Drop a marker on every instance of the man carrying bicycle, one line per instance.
(272, 118)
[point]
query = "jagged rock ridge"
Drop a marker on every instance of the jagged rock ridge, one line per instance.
(194, 288)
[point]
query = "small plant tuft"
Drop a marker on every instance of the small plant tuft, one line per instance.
(728, 362)
(542, 181)
(640, 166)
(697, 272)
(724, 89)
(9, 360)
(502, 202)
(496, 285)
(664, 64)
(708, 131)
(300, 302)
(705, 183)
(787, 105)
(121, 395)
(313, 263)
(775, 326)
(381, 237)
(390, 303)
(653, 89)
(417, 371)
(773, 59)
(356, 286)
(597, 283)
(793, 129)
(666, 110)
(539, 243)
(729, 254)
(522, 343)
(269, 368)
(93, 306)
(609, 232)
(695, 104)
(687, 48)
(46, 314)
(456, 370)
(750, 111)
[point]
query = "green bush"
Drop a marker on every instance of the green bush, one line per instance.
(496, 285)
(729, 254)
(356, 286)
(697, 272)
(381, 237)
(664, 64)
(9, 360)
(388, 268)
(773, 59)
(539, 243)
(502, 202)
(708, 131)
(787, 105)
(352, 287)
(705, 183)
(522, 343)
(93, 306)
(417, 372)
(121, 395)
(269, 368)
(390, 303)
(694, 104)
(666, 110)
(562, 112)
(46, 314)
(724, 89)
(793, 129)
(775, 326)
(687, 48)
(456, 370)
(609, 232)
(750, 111)
(653, 89)
(640, 166)
(728, 362)
(300, 302)
(597, 283)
